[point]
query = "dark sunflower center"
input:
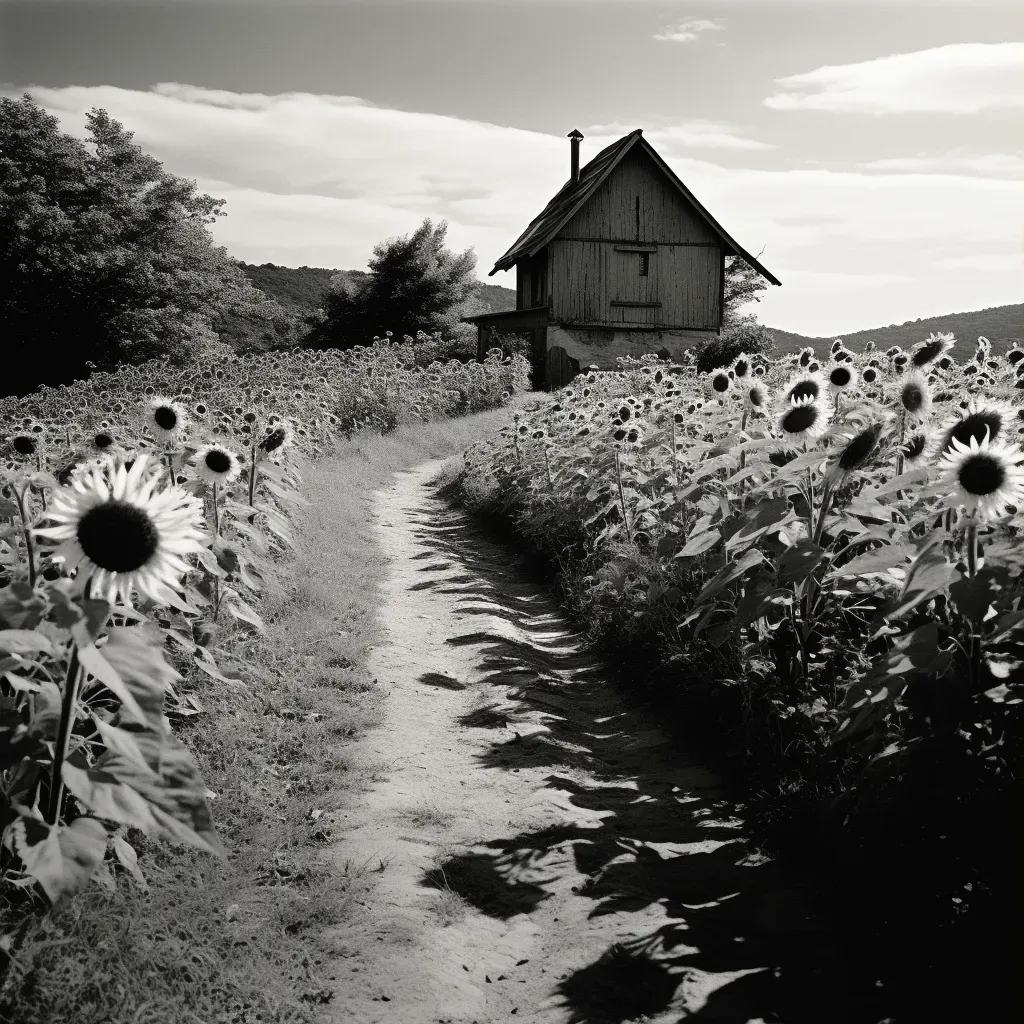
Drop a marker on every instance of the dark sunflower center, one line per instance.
(914, 447)
(869, 376)
(840, 376)
(799, 419)
(165, 417)
(859, 450)
(102, 440)
(756, 398)
(912, 397)
(118, 536)
(804, 389)
(805, 358)
(619, 434)
(981, 474)
(24, 445)
(975, 426)
(218, 461)
(927, 353)
(741, 367)
(273, 441)
(720, 383)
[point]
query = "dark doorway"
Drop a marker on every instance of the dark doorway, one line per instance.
(561, 368)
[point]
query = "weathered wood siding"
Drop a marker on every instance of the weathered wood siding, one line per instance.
(636, 205)
(587, 277)
(664, 215)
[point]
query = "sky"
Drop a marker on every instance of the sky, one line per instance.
(870, 154)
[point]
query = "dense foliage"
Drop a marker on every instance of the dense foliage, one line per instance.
(414, 284)
(105, 257)
(139, 509)
(300, 289)
(827, 553)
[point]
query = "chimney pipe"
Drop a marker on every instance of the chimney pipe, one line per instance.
(574, 136)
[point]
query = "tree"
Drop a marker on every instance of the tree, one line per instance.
(105, 257)
(414, 284)
(743, 284)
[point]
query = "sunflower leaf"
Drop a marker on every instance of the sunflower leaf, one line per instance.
(97, 666)
(171, 803)
(61, 860)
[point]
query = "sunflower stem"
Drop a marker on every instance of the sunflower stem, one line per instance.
(22, 498)
(972, 548)
(972, 572)
(547, 466)
(622, 498)
(252, 477)
(72, 680)
(216, 513)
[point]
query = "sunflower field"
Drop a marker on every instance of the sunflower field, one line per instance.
(825, 555)
(140, 512)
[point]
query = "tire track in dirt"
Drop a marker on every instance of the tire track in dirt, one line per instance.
(548, 854)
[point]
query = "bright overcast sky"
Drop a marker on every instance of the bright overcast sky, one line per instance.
(872, 153)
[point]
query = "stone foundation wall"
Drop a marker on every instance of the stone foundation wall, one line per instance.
(602, 347)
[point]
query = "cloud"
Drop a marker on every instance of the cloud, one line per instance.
(319, 180)
(995, 262)
(695, 133)
(962, 78)
(996, 165)
(689, 29)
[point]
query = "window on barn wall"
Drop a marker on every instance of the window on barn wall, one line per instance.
(645, 263)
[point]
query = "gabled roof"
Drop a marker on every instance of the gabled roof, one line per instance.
(573, 196)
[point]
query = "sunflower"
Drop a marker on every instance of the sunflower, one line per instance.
(757, 397)
(741, 366)
(915, 447)
(122, 531)
(102, 442)
(277, 439)
(916, 396)
(216, 464)
(802, 419)
(719, 384)
(984, 477)
(981, 417)
(857, 451)
(841, 377)
(808, 385)
(869, 375)
(23, 444)
(165, 418)
(935, 346)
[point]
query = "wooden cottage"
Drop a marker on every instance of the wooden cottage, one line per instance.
(622, 261)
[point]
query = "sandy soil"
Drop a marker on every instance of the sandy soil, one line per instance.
(545, 852)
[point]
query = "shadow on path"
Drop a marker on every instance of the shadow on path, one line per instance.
(743, 939)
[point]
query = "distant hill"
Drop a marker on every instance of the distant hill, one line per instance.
(1002, 325)
(299, 289)
(302, 289)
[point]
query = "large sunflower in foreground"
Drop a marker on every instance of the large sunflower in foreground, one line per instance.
(123, 529)
(985, 476)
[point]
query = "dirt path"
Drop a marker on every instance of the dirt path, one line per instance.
(545, 854)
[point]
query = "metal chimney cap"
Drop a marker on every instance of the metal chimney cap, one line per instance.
(575, 134)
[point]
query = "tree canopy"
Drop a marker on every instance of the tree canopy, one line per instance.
(105, 256)
(414, 284)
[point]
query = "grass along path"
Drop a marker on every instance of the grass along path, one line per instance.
(542, 851)
(247, 942)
